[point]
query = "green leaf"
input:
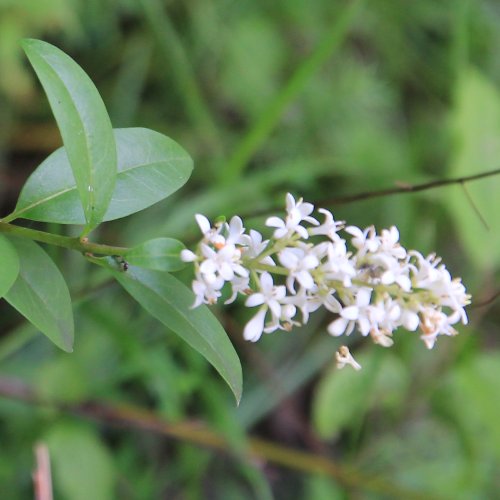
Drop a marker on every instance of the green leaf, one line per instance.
(475, 123)
(170, 301)
(84, 125)
(10, 265)
(41, 294)
(83, 467)
(160, 254)
(151, 167)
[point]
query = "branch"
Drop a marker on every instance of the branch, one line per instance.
(78, 244)
(199, 434)
(407, 188)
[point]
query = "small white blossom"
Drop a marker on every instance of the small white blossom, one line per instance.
(236, 231)
(205, 293)
(296, 213)
(434, 323)
(210, 234)
(188, 256)
(358, 313)
(329, 228)
(299, 262)
(338, 266)
(269, 297)
(239, 285)
(365, 241)
(389, 243)
(254, 328)
(223, 263)
(254, 246)
(344, 357)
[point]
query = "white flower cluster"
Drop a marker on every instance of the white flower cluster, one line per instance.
(376, 287)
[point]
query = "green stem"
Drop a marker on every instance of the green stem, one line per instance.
(270, 269)
(75, 243)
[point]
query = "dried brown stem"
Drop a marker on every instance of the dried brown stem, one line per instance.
(259, 450)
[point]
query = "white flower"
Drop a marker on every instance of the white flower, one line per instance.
(238, 285)
(299, 263)
(288, 312)
(360, 286)
(386, 269)
(325, 297)
(205, 293)
(365, 241)
(203, 223)
(188, 255)
(285, 320)
(410, 320)
(386, 317)
(210, 234)
(254, 246)
(338, 266)
(434, 323)
(344, 357)
(389, 243)
(358, 313)
(224, 263)
(329, 228)
(235, 231)
(268, 298)
(296, 213)
(254, 328)
(303, 301)
(450, 292)
(382, 337)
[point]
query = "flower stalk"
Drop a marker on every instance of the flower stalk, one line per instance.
(73, 243)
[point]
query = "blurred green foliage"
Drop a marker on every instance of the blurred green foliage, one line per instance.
(409, 91)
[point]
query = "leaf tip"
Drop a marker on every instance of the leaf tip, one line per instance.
(237, 391)
(66, 342)
(67, 347)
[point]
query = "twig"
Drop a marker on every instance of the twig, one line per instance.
(407, 188)
(486, 302)
(476, 210)
(368, 195)
(199, 434)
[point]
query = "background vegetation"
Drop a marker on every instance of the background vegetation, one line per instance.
(323, 99)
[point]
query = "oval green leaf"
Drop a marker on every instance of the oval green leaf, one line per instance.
(160, 254)
(10, 265)
(84, 125)
(41, 294)
(170, 301)
(151, 167)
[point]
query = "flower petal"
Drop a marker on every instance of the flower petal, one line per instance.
(254, 328)
(337, 327)
(203, 223)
